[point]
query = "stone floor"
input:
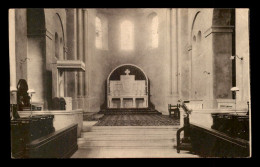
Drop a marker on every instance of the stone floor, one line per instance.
(128, 142)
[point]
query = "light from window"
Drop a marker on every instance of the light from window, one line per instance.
(99, 34)
(155, 32)
(127, 35)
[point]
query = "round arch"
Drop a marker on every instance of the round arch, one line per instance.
(108, 78)
(59, 18)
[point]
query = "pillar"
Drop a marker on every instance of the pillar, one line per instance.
(12, 59)
(242, 50)
(80, 50)
(72, 54)
(85, 32)
(174, 24)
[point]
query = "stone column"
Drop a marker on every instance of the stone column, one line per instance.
(72, 54)
(175, 25)
(85, 32)
(242, 50)
(75, 51)
(12, 59)
(80, 50)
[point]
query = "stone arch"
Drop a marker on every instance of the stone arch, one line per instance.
(62, 28)
(143, 75)
(193, 21)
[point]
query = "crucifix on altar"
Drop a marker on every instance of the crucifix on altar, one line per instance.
(127, 72)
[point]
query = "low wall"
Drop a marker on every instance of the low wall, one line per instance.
(62, 118)
(203, 117)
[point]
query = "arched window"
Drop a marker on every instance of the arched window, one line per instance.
(99, 34)
(154, 31)
(127, 39)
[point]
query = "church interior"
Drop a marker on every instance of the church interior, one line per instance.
(129, 82)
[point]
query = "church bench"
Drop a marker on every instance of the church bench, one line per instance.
(59, 144)
(208, 142)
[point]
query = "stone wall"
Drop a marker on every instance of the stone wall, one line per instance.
(180, 68)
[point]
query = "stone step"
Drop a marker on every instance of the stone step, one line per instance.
(126, 128)
(129, 143)
(92, 116)
(130, 152)
(87, 136)
(130, 132)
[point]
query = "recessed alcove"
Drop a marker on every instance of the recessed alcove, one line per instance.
(127, 87)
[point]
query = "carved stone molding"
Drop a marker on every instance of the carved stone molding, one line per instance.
(218, 29)
(73, 65)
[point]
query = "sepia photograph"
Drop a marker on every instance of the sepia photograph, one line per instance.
(129, 83)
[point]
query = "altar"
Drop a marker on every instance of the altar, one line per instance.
(127, 88)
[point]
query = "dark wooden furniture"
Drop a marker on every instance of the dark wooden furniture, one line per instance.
(234, 125)
(59, 144)
(184, 143)
(228, 136)
(208, 142)
(58, 103)
(26, 129)
(175, 109)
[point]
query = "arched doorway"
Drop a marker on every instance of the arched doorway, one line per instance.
(127, 87)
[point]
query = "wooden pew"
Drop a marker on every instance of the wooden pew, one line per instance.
(59, 144)
(208, 142)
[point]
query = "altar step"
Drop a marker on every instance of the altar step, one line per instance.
(123, 111)
(128, 137)
(129, 142)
